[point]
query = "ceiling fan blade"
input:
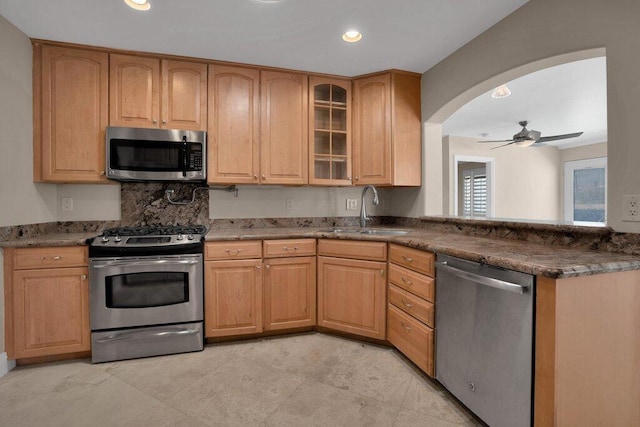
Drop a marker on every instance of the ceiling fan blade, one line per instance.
(557, 137)
(502, 140)
(504, 145)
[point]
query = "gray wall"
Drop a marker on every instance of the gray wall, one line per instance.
(543, 33)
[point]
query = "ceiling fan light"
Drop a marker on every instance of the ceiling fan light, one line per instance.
(501, 92)
(525, 142)
(138, 4)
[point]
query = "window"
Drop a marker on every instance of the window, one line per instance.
(474, 192)
(585, 191)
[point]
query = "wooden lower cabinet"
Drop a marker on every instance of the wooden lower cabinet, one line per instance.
(351, 296)
(233, 297)
(289, 293)
(410, 314)
(47, 304)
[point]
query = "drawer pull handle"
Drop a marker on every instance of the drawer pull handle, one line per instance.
(233, 252)
(406, 327)
(286, 248)
(407, 258)
(407, 281)
(406, 304)
(57, 257)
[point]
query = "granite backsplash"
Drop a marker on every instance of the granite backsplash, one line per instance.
(148, 204)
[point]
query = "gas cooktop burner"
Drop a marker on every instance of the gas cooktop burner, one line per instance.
(156, 230)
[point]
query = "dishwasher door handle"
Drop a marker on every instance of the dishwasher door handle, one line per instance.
(483, 280)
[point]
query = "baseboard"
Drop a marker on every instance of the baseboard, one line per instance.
(5, 364)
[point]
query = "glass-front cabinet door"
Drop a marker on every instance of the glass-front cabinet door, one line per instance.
(330, 128)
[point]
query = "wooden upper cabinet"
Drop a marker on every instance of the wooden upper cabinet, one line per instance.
(234, 125)
(387, 146)
(329, 131)
(70, 114)
(134, 99)
(136, 86)
(184, 95)
(284, 124)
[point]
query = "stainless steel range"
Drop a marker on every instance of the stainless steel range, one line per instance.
(146, 292)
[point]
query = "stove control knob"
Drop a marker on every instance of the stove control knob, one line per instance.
(179, 237)
(190, 237)
(105, 239)
(117, 239)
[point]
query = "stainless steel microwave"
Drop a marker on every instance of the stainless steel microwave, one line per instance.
(136, 154)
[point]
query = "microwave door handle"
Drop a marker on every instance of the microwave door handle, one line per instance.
(184, 156)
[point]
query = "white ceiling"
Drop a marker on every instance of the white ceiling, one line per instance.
(305, 35)
(563, 99)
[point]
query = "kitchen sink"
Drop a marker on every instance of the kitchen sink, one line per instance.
(371, 231)
(382, 232)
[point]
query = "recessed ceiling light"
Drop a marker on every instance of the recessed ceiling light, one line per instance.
(352, 36)
(138, 4)
(501, 92)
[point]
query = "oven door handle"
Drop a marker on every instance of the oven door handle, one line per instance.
(121, 336)
(106, 264)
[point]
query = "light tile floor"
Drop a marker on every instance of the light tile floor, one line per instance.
(308, 379)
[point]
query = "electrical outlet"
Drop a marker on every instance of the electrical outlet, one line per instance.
(67, 204)
(290, 204)
(630, 208)
(352, 204)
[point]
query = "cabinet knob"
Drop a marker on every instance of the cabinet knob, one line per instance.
(164, 122)
(258, 267)
(357, 178)
(255, 177)
(83, 277)
(101, 173)
(382, 272)
(267, 266)
(407, 281)
(263, 176)
(154, 121)
(57, 257)
(405, 326)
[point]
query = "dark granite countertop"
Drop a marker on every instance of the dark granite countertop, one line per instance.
(534, 258)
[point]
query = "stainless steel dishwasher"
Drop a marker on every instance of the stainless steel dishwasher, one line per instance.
(484, 339)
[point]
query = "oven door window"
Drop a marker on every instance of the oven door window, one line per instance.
(153, 156)
(152, 289)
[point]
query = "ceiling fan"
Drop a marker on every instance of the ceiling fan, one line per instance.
(526, 138)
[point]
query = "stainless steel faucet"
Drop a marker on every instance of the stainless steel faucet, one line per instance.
(363, 210)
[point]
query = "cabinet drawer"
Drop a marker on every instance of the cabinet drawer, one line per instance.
(371, 251)
(411, 281)
(411, 304)
(287, 248)
(233, 250)
(52, 256)
(411, 337)
(414, 259)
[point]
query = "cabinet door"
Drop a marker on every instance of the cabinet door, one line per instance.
(372, 133)
(283, 118)
(234, 125)
(50, 312)
(329, 131)
(71, 97)
(184, 95)
(351, 296)
(134, 92)
(289, 293)
(233, 297)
